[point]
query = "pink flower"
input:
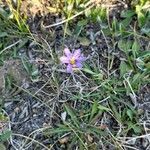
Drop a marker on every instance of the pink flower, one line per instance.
(72, 60)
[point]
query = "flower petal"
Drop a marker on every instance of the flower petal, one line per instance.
(77, 53)
(79, 65)
(64, 60)
(69, 68)
(67, 52)
(82, 58)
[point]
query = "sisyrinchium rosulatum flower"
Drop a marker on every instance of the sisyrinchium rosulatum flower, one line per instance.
(73, 60)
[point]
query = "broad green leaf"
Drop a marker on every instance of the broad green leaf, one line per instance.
(136, 47)
(124, 45)
(124, 68)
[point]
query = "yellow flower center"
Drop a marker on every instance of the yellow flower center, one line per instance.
(72, 61)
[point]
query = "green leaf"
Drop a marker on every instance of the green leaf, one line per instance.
(8, 80)
(26, 65)
(78, 29)
(115, 112)
(103, 108)
(5, 136)
(78, 2)
(3, 34)
(136, 81)
(87, 70)
(143, 2)
(130, 114)
(35, 72)
(3, 13)
(136, 48)
(72, 115)
(137, 129)
(140, 15)
(141, 19)
(124, 68)
(58, 130)
(127, 13)
(96, 131)
(124, 45)
(114, 24)
(146, 30)
(94, 110)
(95, 118)
(126, 22)
(3, 117)
(87, 12)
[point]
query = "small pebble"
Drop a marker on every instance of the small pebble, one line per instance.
(34, 115)
(16, 110)
(63, 140)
